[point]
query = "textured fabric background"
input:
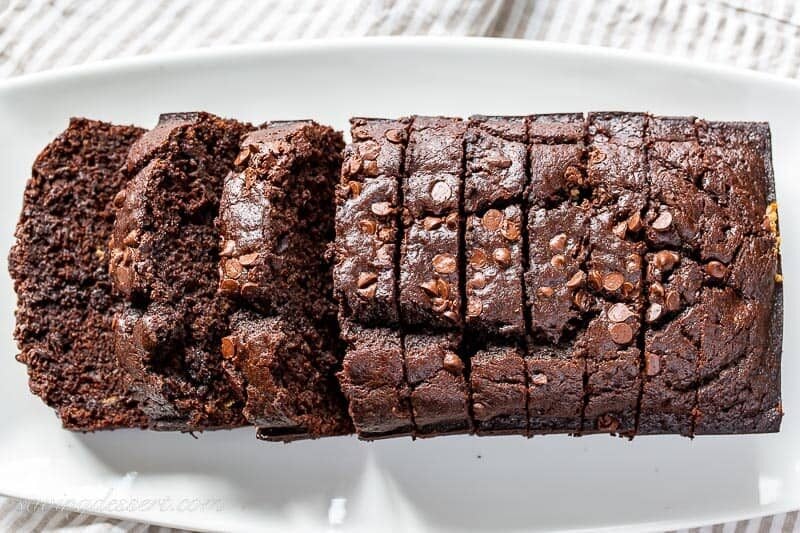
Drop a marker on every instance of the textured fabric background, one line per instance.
(37, 35)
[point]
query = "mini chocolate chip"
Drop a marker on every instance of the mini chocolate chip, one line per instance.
(386, 235)
(502, 256)
(613, 281)
(510, 230)
(621, 333)
(656, 290)
(228, 347)
(395, 136)
(371, 168)
(441, 192)
(474, 307)
(539, 379)
(663, 221)
(478, 258)
(478, 281)
(360, 133)
(596, 156)
(368, 226)
(635, 222)
(365, 279)
(627, 289)
(248, 259)
(369, 150)
(229, 286)
(558, 261)
(621, 229)
(498, 161)
(243, 156)
(233, 269)
(595, 280)
(453, 363)
(608, 422)
(582, 300)
(492, 219)
(576, 280)
(353, 165)
(382, 209)
(228, 249)
(439, 304)
(715, 269)
(451, 221)
(619, 312)
(451, 315)
(444, 263)
(119, 199)
(652, 364)
(430, 288)
(672, 301)
(249, 290)
(653, 312)
(431, 223)
(368, 292)
(665, 260)
(545, 292)
(559, 242)
(634, 263)
(355, 188)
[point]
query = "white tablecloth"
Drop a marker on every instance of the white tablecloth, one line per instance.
(37, 35)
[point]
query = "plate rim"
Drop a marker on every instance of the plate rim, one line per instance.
(166, 59)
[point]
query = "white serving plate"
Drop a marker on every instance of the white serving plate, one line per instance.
(228, 480)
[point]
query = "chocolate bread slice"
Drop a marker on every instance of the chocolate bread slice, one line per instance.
(368, 221)
(429, 257)
(276, 219)
(714, 300)
(560, 304)
(284, 367)
(373, 379)
(496, 153)
(164, 259)
(494, 270)
(499, 395)
(60, 269)
(276, 223)
(438, 388)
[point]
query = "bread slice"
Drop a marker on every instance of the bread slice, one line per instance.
(60, 270)
(164, 258)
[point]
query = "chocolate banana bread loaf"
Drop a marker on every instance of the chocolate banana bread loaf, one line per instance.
(276, 221)
(59, 265)
(615, 272)
(164, 260)
(609, 273)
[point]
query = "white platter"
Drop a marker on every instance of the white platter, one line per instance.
(228, 480)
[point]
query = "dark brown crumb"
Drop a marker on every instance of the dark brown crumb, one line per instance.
(60, 270)
(164, 259)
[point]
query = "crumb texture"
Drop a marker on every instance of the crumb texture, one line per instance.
(164, 259)
(59, 265)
